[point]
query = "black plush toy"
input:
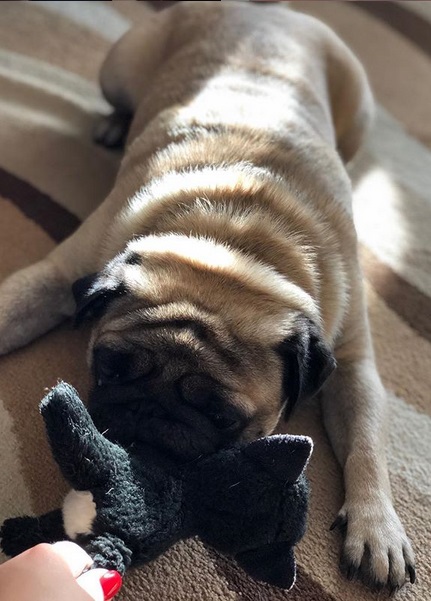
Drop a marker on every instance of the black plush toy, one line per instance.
(248, 501)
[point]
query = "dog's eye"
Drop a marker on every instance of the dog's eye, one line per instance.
(110, 366)
(224, 422)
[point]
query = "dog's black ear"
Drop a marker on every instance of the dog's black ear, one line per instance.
(307, 363)
(93, 293)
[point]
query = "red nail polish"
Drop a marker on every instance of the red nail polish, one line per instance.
(111, 583)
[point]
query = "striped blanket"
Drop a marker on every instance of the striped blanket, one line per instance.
(52, 177)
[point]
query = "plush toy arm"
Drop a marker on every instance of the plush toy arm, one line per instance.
(19, 534)
(108, 551)
(86, 458)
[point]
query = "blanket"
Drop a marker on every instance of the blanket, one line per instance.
(52, 176)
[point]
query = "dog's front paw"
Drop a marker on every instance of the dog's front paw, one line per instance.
(376, 549)
(32, 301)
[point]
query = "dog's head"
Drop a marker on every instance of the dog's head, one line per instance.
(189, 359)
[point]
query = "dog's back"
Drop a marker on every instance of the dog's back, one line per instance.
(253, 66)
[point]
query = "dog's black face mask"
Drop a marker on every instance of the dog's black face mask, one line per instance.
(133, 402)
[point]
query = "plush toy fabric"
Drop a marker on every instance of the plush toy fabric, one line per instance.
(247, 501)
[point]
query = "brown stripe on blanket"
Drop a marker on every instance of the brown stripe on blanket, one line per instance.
(410, 24)
(408, 302)
(403, 356)
(57, 221)
(249, 590)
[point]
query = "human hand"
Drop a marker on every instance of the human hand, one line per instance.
(51, 572)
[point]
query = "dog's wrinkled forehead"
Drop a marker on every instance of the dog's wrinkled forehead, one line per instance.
(180, 330)
(176, 337)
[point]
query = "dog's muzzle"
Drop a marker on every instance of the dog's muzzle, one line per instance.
(129, 415)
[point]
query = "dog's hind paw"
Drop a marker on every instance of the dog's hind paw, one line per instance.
(111, 131)
(376, 549)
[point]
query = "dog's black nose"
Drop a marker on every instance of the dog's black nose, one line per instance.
(205, 394)
(197, 390)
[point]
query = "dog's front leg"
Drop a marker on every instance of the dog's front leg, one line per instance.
(376, 548)
(32, 301)
(37, 298)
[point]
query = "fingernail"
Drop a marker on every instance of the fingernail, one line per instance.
(111, 583)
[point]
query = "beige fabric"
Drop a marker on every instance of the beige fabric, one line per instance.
(51, 174)
(399, 71)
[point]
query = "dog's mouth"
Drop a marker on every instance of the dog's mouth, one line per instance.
(179, 430)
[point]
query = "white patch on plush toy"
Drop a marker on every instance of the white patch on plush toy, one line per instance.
(79, 512)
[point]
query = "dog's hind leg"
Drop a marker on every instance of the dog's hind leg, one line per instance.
(376, 548)
(128, 69)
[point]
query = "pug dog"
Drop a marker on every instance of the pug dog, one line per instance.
(222, 270)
